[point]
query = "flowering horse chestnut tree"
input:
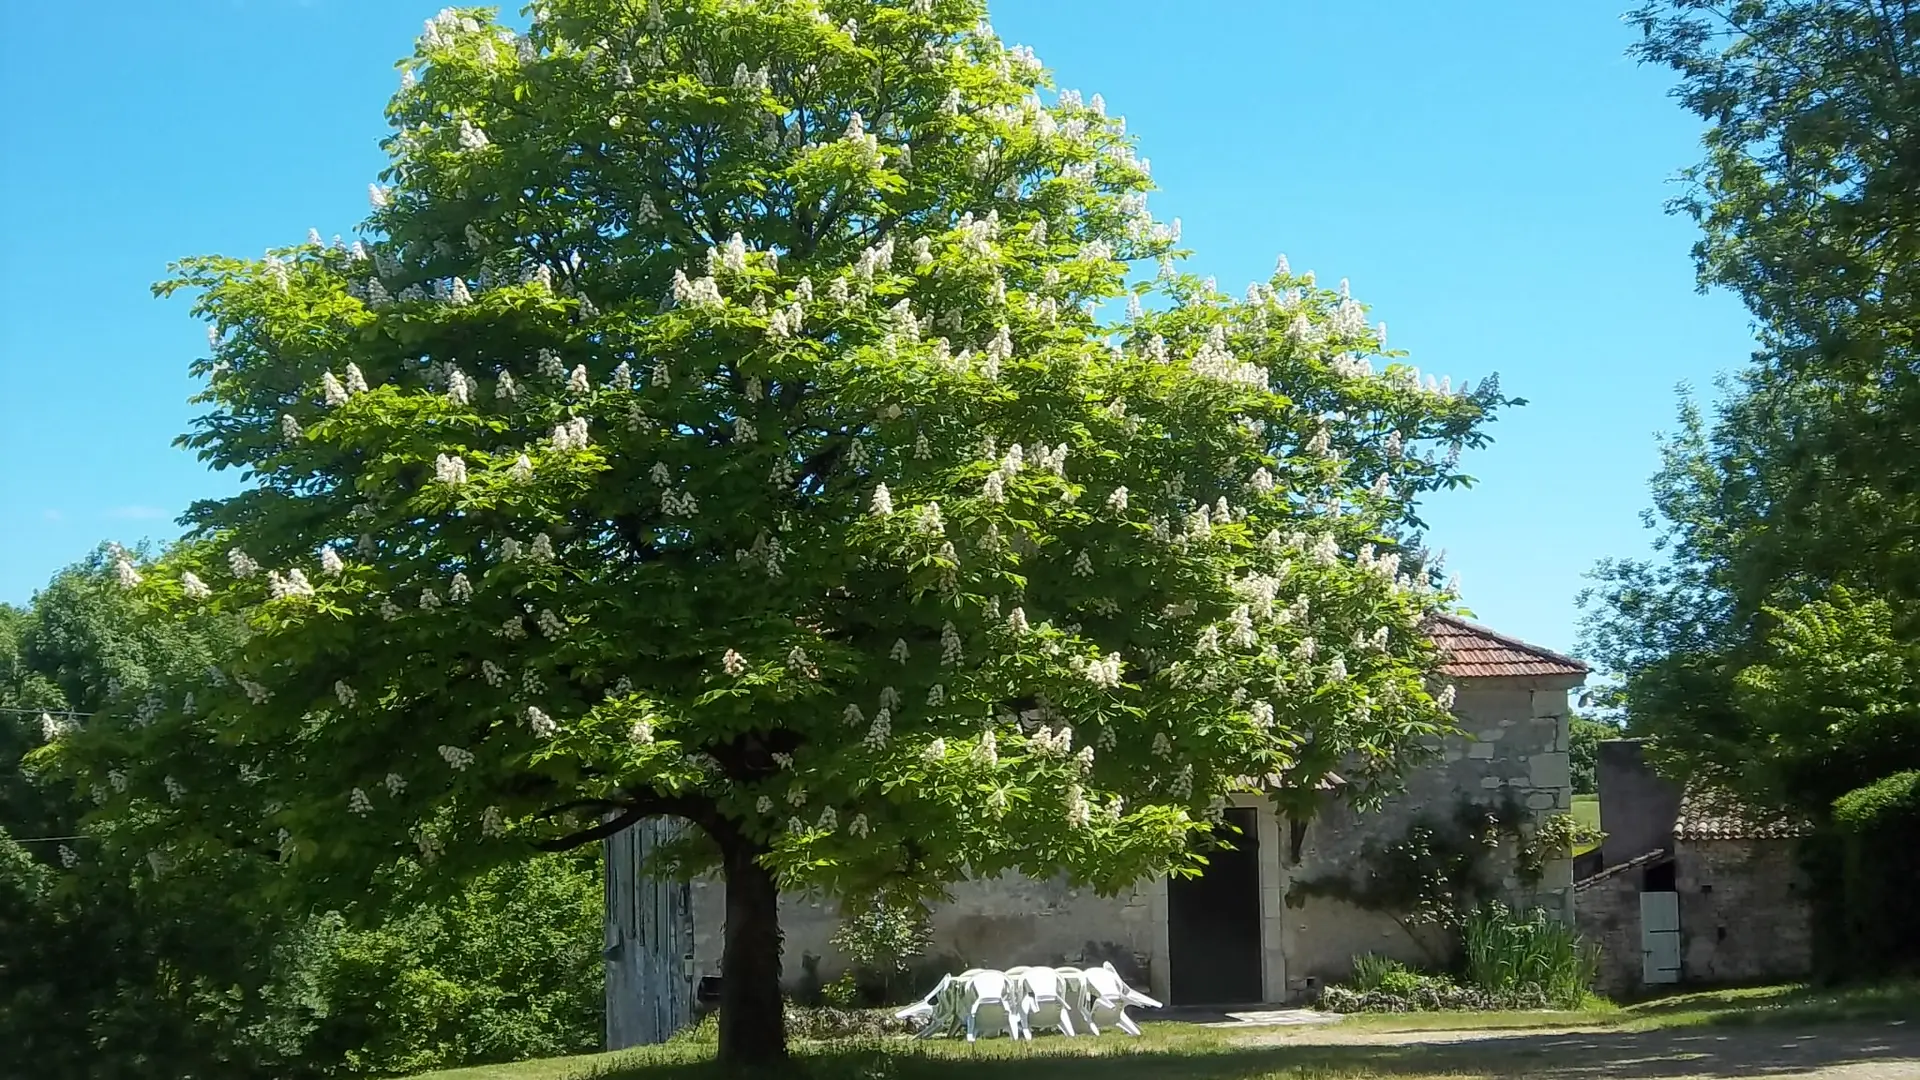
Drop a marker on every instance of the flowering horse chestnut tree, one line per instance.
(785, 417)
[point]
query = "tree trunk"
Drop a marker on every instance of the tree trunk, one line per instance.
(752, 1024)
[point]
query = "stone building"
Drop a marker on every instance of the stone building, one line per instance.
(1716, 895)
(1239, 934)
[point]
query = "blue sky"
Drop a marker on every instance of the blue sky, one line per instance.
(1489, 176)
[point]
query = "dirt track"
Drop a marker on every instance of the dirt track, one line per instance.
(1883, 1051)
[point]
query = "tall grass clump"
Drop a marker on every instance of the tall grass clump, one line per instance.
(1507, 953)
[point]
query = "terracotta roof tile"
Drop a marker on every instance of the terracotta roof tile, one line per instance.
(1474, 652)
(1712, 814)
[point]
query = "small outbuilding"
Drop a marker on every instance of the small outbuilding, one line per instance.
(1715, 895)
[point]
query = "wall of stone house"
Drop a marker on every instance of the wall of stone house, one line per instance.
(1607, 914)
(997, 922)
(1514, 744)
(1744, 911)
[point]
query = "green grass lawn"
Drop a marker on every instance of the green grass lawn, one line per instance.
(1586, 811)
(1406, 1046)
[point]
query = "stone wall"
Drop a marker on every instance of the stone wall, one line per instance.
(1607, 914)
(997, 923)
(1744, 911)
(1513, 746)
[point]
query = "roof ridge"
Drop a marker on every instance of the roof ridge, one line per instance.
(1511, 641)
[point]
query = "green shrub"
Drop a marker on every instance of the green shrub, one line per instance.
(883, 940)
(1510, 954)
(1891, 802)
(1370, 969)
(1869, 899)
(508, 969)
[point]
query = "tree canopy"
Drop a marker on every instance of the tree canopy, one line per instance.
(1770, 644)
(748, 413)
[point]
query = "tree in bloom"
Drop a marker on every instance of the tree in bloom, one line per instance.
(719, 421)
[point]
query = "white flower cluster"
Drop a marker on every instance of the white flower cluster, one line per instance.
(641, 733)
(449, 469)
(1049, 743)
(347, 694)
(1100, 672)
(951, 651)
(193, 587)
(704, 292)
(490, 823)
(799, 663)
(175, 789)
(293, 584)
(882, 502)
(1079, 812)
(730, 256)
(359, 803)
(935, 751)
(571, 435)
(395, 784)
(684, 504)
(1182, 786)
(881, 729)
(257, 694)
(492, 672)
(1216, 361)
(987, 750)
(123, 570)
(539, 722)
(550, 624)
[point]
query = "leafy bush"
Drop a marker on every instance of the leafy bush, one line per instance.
(884, 936)
(883, 941)
(1372, 969)
(1873, 881)
(1508, 954)
(508, 969)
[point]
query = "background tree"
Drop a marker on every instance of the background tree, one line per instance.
(717, 422)
(1585, 735)
(1787, 520)
(114, 972)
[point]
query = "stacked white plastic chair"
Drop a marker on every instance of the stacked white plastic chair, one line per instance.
(1106, 997)
(981, 1003)
(935, 1011)
(990, 1006)
(1045, 1000)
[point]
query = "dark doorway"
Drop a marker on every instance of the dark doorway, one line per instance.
(1213, 922)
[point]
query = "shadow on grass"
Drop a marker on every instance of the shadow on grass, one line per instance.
(1616, 1055)
(1773, 1005)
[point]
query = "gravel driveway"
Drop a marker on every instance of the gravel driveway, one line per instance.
(1883, 1051)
